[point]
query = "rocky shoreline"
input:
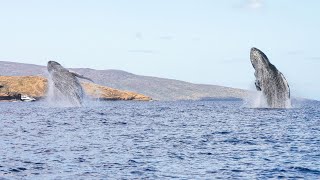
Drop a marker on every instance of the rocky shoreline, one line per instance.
(13, 87)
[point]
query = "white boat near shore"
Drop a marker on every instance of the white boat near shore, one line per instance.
(27, 98)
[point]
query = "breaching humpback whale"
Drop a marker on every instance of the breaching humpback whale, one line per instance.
(66, 86)
(270, 81)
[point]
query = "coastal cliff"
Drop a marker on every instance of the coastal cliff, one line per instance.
(37, 86)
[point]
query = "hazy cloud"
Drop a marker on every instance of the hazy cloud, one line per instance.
(295, 52)
(255, 4)
(195, 38)
(314, 59)
(250, 4)
(232, 61)
(142, 51)
(166, 37)
(301, 55)
(139, 35)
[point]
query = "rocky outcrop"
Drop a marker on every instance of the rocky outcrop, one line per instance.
(106, 93)
(36, 86)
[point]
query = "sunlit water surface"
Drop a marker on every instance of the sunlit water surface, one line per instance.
(159, 140)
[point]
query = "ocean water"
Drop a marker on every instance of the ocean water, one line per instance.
(159, 140)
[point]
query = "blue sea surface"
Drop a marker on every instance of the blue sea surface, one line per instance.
(159, 140)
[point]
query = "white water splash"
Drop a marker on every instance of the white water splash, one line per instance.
(56, 99)
(93, 100)
(258, 100)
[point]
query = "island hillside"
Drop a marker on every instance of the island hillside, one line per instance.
(157, 88)
(37, 86)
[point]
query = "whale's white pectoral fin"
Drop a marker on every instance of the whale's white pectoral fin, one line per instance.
(258, 85)
(81, 76)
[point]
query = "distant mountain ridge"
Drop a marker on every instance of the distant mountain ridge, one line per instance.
(156, 88)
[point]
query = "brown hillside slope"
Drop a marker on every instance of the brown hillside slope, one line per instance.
(36, 86)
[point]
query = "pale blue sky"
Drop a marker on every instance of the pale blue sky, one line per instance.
(200, 41)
